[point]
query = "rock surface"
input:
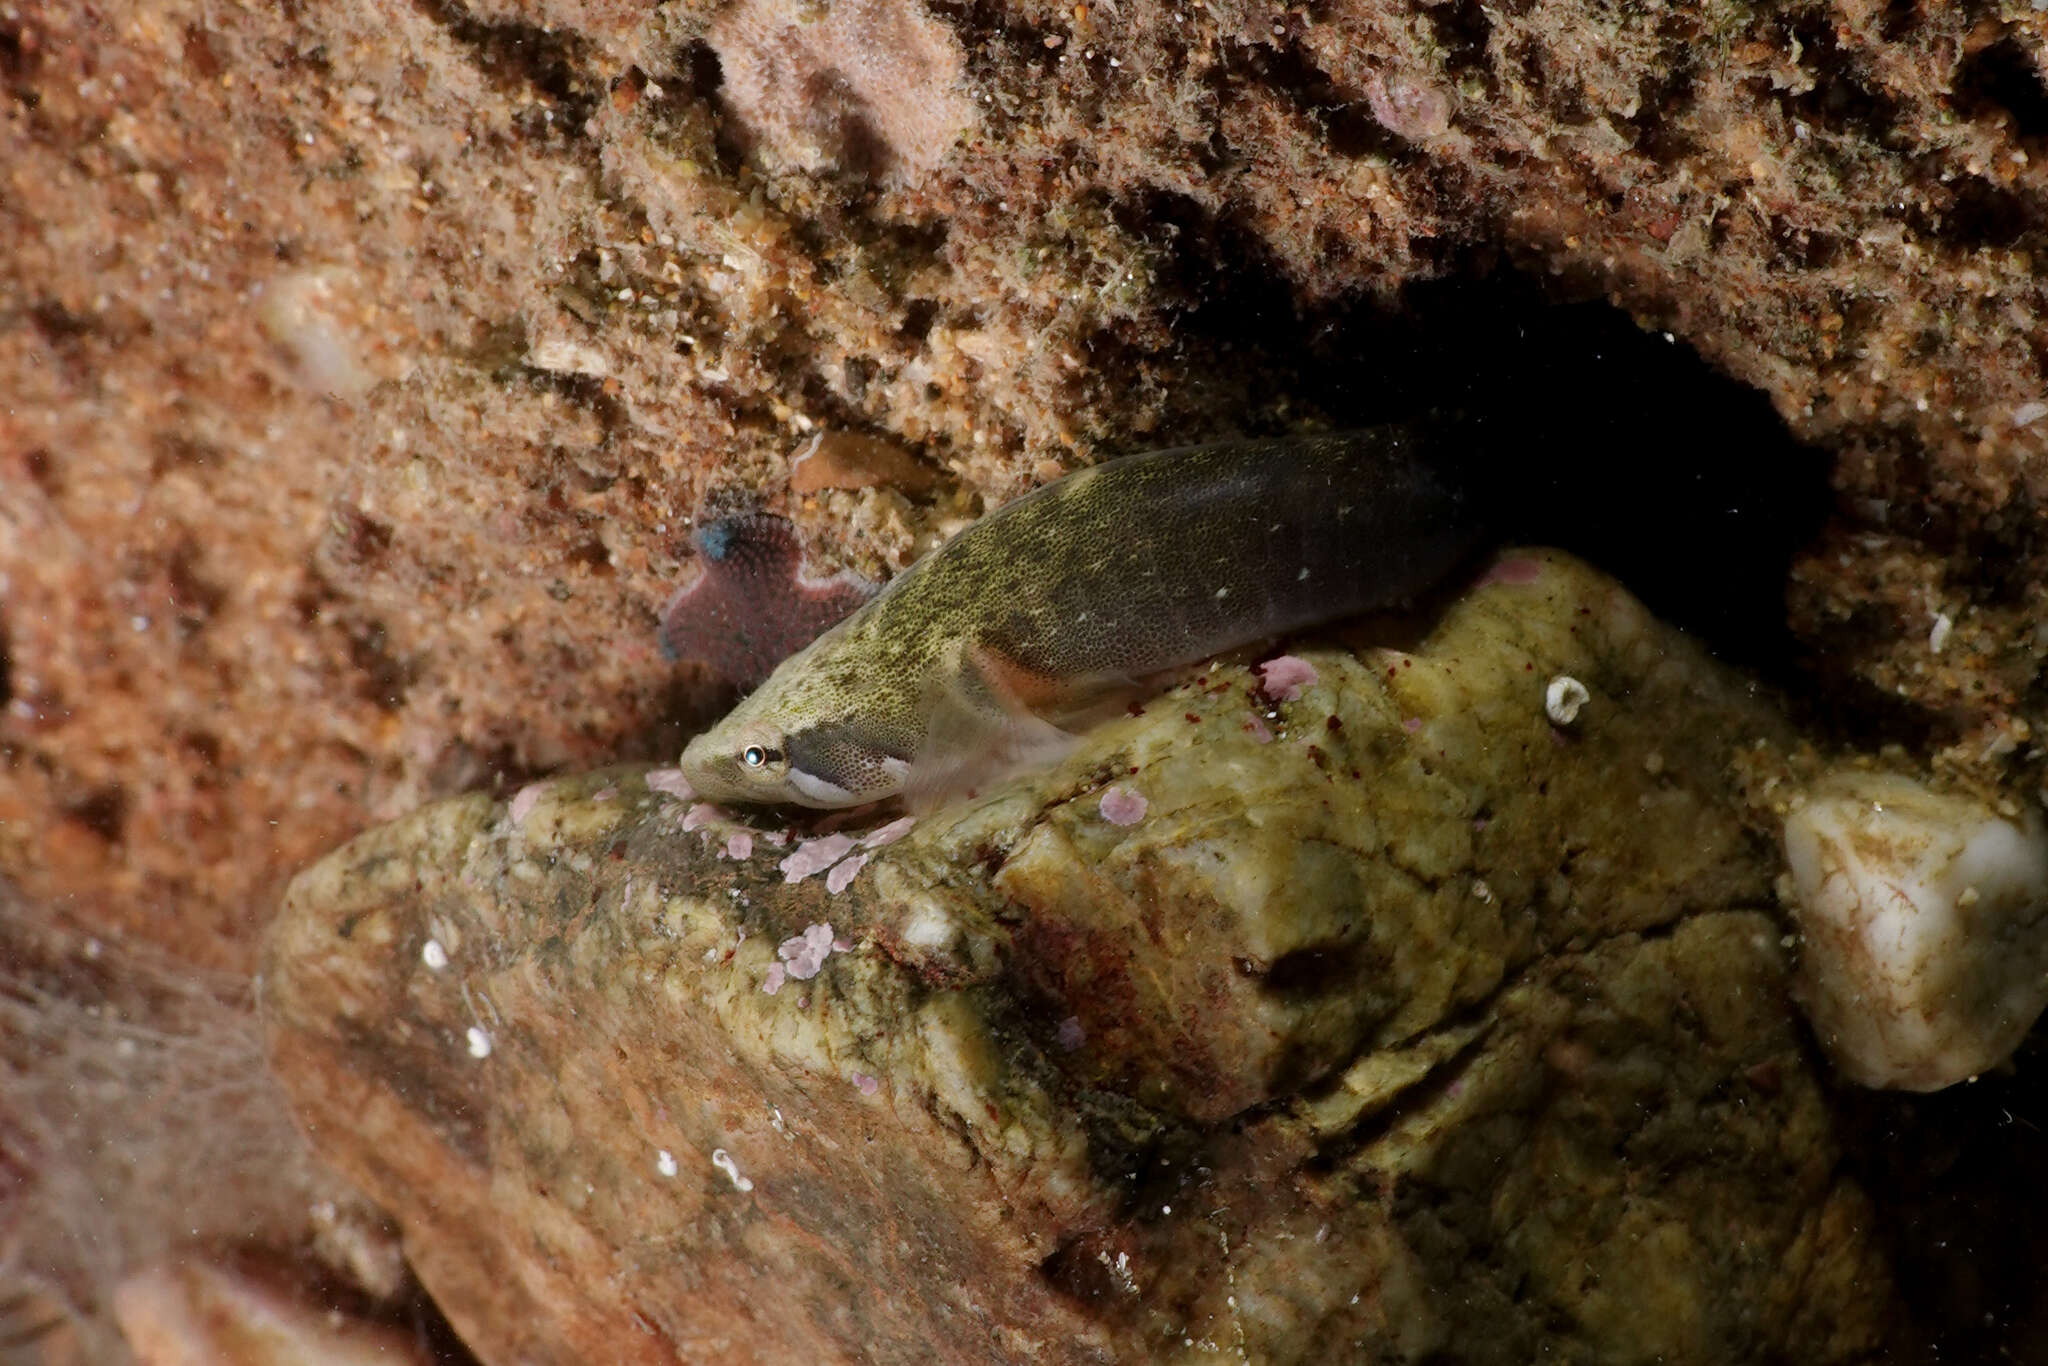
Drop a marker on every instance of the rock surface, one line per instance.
(359, 364)
(195, 1314)
(1390, 1019)
(1924, 920)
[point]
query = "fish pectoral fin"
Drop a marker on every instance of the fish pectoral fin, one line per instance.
(980, 728)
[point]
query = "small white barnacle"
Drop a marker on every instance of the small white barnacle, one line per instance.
(1563, 699)
(479, 1042)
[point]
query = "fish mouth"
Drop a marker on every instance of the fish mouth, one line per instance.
(713, 774)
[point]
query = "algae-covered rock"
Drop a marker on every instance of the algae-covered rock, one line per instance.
(1391, 1020)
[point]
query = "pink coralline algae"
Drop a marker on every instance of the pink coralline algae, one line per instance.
(888, 834)
(866, 1084)
(844, 872)
(671, 782)
(1122, 806)
(739, 844)
(752, 605)
(1410, 109)
(702, 814)
(1515, 569)
(804, 955)
(815, 856)
(524, 801)
(1283, 678)
(1259, 730)
(873, 89)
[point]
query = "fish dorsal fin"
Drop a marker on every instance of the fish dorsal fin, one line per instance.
(980, 728)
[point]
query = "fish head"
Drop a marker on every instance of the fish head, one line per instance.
(796, 742)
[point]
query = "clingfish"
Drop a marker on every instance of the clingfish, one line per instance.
(981, 658)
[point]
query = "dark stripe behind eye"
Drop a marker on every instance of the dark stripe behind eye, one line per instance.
(827, 752)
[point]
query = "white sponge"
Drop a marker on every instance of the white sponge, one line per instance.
(1925, 921)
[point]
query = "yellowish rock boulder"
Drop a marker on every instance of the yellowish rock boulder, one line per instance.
(1394, 1019)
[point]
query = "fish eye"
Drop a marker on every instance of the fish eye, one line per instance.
(758, 758)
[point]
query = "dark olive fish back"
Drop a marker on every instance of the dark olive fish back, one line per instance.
(977, 658)
(1151, 561)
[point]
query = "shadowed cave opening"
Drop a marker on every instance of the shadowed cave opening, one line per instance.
(1591, 434)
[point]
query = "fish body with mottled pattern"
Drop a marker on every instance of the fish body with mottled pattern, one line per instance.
(969, 663)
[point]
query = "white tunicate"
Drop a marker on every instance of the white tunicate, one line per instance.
(1938, 637)
(1563, 699)
(479, 1042)
(722, 1160)
(1924, 927)
(317, 316)
(665, 1162)
(433, 955)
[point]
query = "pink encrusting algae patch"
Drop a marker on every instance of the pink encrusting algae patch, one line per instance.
(1259, 730)
(1283, 678)
(843, 873)
(702, 814)
(1517, 569)
(671, 782)
(1413, 110)
(888, 834)
(815, 856)
(1122, 806)
(524, 801)
(804, 955)
(777, 974)
(866, 1084)
(739, 844)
